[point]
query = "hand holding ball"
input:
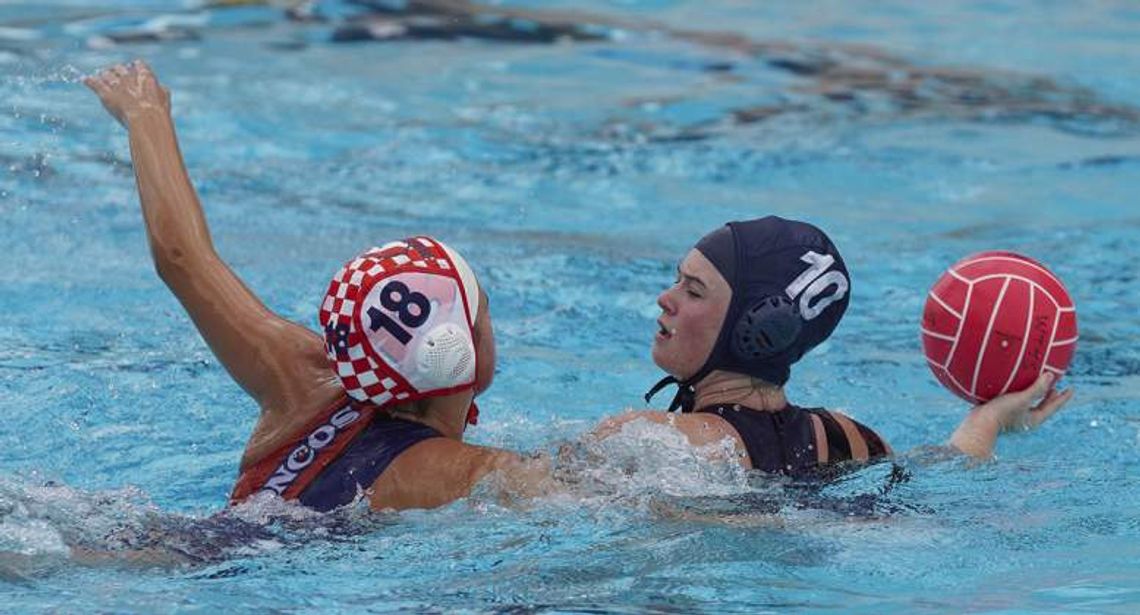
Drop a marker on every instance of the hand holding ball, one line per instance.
(994, 322)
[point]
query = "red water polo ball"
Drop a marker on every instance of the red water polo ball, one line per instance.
(993, 322)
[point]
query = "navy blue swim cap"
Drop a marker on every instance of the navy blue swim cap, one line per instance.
(790, 288)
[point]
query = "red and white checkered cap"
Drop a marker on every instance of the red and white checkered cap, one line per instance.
(399, 322)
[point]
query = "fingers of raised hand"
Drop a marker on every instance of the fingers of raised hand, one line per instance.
(103, 79)
(95, 83)
(111, 77)
(1049, 406)
(1041, 387)
(142, 67)
(114, 75)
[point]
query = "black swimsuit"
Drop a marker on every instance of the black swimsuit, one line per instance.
(789, 441)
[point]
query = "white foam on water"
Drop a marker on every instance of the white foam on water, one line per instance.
(646, 460)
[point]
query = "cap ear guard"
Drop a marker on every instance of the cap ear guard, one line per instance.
(766, 329)
(446, 356)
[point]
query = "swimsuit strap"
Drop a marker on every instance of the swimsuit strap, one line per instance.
(365, 459)
(291, 467)
(848, 439)
(798, 441)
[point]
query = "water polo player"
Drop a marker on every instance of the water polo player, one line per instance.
(378, 406)
(751, 298)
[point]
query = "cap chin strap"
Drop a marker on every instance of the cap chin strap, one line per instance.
(686, 396)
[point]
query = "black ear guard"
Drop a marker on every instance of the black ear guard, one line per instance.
(766, 329)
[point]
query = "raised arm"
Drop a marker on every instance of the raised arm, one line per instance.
(979, 431)
(279, 363)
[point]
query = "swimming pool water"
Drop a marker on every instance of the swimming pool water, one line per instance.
(574, 176)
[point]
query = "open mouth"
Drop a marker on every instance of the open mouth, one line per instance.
(662, 331)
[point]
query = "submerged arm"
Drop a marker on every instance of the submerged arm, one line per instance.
(277, 362)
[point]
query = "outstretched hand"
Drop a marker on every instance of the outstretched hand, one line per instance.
(1017, 411)
(1020, 411)
(129, 90)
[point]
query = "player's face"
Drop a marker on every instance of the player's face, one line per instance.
(692, 313)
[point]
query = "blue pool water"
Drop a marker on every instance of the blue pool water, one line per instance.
(574, 175)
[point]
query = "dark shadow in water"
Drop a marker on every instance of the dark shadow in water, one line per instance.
(225, 541)
(855, 492)
(831, 81)
(850, 80)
